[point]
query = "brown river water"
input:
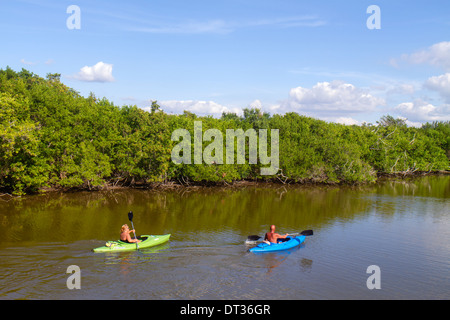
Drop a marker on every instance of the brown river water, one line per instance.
(400, 226)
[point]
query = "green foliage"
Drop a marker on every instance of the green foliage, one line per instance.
(51, 136)
(439, 132)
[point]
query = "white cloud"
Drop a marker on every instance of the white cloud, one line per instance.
(200, 108)
(28, 63)
(101, 72)
(441, 84)
(347, 121)
(422, 111)
(437, 55)
(191, 27)
(334, 98)
(413, 123)
(289, 22)
(31, 63)
(394, 63)
(219, 26)
(401, 89)
(256, 104)
(133, 99)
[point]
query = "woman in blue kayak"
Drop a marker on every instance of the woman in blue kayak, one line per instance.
(125, 234)
(272, 237)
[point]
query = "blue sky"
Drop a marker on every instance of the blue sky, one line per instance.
(316, 58)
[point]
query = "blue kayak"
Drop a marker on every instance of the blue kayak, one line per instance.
(289, 243)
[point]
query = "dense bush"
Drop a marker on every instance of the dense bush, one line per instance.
(51, 136)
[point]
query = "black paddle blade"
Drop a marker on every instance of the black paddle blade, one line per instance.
(307, 233)
(130, 215)
(253, 238)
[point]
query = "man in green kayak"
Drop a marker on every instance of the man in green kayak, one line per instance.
(125, 234)
(272, 237)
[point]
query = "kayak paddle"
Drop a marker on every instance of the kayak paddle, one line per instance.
(303, 233)
(130, 217)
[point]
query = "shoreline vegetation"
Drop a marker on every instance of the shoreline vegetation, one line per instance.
(195, 185)
(54, 139)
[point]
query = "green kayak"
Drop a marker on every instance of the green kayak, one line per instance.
(147, 241)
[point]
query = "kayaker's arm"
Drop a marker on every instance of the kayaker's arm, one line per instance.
(273, 237)
(130, 240)
(133, 232)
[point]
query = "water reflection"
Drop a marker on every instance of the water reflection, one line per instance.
(207, 257)
(306, 265)
(133, 257)
(273, 260)
(193, 211)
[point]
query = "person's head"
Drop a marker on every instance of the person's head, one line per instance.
(272, 228)
(124, 228)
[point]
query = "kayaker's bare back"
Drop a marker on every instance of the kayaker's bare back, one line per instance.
(125, 234)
